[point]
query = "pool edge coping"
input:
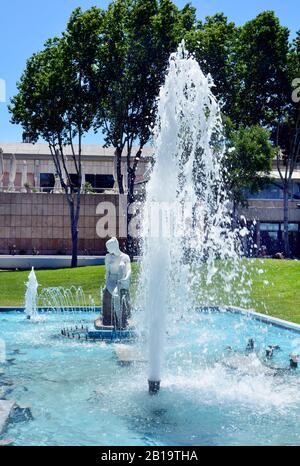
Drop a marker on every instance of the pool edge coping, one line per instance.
(265, 318)
(281, 323)
(44, 309)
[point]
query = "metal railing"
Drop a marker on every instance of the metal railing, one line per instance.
(52, 190)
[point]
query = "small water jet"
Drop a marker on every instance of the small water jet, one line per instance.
(188, 234)
(31, 296)
(61, 299)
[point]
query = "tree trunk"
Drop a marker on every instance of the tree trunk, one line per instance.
(74, 230)
(131, 180)
(130, 243)
(118, 154)
(286, 220)
(74, 216)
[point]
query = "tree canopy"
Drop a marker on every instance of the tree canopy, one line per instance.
(55, 102)
(106, 69)
(135, 44)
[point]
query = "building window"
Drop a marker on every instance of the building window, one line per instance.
(47, 181)
(271, 237)
(269, 192)
(270, 227)
(274, 191)
(293, 227)
(100, 182)
(74, 180)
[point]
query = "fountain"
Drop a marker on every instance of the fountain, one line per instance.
(230, 378)
(31, 296)
(187, 229)
(61, 299)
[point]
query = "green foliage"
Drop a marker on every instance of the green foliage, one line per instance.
(294, 58)
(261, 67)
(87, 188)
(213, 44)
(136, 40)
(37, 106)
(287, 128)
(248, 159)
(249, 68)
(54, 101)
(106, 70)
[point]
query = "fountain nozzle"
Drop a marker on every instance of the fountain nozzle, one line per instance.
(154, 386)
(293, 361)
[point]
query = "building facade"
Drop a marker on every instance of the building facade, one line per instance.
(33, 163)
(34, 214)
(265, 210)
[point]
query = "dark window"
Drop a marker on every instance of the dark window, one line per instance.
(274, 191)
(294, 239)
(74, 179)
(271, 236)
(100, 182)
(269, 192)
(47, 181)
(270, 227)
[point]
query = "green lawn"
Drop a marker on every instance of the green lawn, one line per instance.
(12, 284)
(280, 297)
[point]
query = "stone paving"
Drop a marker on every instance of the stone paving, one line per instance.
(10, 411)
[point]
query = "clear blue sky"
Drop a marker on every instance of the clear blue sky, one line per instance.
(26, 24)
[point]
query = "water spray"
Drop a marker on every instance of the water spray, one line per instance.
(31, 296)
(186, 215)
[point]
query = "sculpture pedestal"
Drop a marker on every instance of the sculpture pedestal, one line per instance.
(109, 316)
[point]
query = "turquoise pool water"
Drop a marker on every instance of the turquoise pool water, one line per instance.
(81, 395)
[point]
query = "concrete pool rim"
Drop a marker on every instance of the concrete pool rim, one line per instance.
(274, 321)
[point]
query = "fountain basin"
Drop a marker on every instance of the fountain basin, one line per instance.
(209, 395)
(43, 310)
(246, 312)
(112, 335)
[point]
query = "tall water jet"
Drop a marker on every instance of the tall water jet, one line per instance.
(31, 296)
(187, 225)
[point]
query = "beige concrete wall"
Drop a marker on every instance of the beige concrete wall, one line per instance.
(41, 221)
(270, 211)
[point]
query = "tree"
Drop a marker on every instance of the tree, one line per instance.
(54, 102)
(248, 160)
(234, 57)
(213, 44)
(288, 136)
(261, 67)
(136, 41)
